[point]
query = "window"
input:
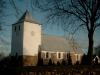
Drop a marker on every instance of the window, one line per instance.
(47, 55)
(15, 29)
(19, 27)
(77, 57)
(59, 55)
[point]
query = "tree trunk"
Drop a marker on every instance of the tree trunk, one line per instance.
(90, 46)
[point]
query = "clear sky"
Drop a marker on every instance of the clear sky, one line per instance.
(5, 34)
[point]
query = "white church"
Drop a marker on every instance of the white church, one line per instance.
(28, 41)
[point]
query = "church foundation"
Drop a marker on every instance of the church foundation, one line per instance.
(29, 60)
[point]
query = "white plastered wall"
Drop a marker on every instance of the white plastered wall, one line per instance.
(31, 38)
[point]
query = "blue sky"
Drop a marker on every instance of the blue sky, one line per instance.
(5, 34)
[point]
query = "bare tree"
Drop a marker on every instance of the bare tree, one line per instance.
(17, 10)
(80, 13)
(3, 14)
(2, 6)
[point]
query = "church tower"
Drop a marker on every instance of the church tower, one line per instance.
(26, 39)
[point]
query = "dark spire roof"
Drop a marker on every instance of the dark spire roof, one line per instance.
(27, 17)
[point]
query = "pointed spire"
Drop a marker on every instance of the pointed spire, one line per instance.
(27, 17)
(26, 14)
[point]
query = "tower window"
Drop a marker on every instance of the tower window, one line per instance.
(15, 28)
(19, 27)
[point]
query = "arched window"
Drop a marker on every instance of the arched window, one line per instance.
(77, 57)
(47, 55)
(59, 55)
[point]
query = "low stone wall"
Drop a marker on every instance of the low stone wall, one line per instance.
(24, 60)
(30, 60)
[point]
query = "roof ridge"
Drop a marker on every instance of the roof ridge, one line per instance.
(53, 35)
